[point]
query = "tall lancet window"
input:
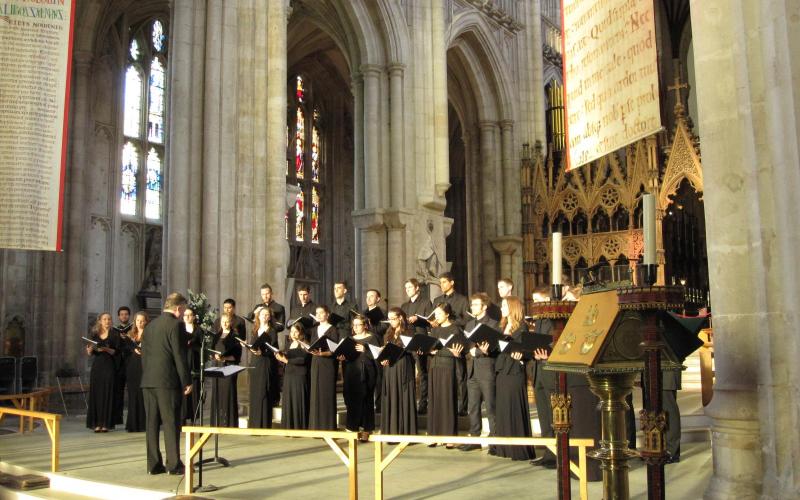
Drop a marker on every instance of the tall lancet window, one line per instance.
(144, 123)
(304, 166)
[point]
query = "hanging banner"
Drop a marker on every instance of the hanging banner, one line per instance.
(610, 76)
(35, 66)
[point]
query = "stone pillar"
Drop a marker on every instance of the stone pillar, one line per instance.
(512, 195)
(371, 133)
(397, 144)
(373, 250)
(746, 62)
(488, 197)
(182, 235)
(438, 68)
(537, 71)
(76, 230)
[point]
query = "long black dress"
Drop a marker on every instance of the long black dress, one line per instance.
(227, 411)
(263, 380)
(193, 340)
(135, 421)
(294, 409)
(443, 386)
(360, 376)
(102, 380)
(512, 414)
(398, 406)
(322, 411)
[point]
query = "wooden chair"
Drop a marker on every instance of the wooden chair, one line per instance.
(70, 383)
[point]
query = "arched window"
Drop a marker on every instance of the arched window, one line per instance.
(305, 147)
(143, 124)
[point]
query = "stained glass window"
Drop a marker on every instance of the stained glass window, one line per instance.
(152, 207)
(144, 123)
(158, 36)
(130, 173)
(133, 100)
(155, 120)
(300, 92)
(300, 216)
(314, 215)
(134, 50)
(315, 149)
(303, 117)
(299, 143)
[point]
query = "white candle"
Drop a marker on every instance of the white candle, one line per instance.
(649, 208)
(556, 258)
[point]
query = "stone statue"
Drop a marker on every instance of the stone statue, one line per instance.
(429, 265)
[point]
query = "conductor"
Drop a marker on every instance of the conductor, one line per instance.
(165, 379)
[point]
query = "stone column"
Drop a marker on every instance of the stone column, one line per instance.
(397, 144)
(371, 133)
(512, 196)
(537, 71)
(488, 197)
(438, 68)
(76, 230)
(746, 62)
(182, 235)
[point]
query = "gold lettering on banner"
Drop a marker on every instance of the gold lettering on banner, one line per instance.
(611, 76)
(34, 43)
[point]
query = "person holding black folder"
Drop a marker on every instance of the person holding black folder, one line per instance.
(342, 309)
(104, 349)
(324, 367)
(237, 323)
(512, 414)
(193, 336)
(228, 352)
(399, 415)
(122, 328)
(294, 408)
(360, 375)
(418, 306)
(135, 420)
(278, 311)
(459, 305)
(442, 383)
(480, 371)
(165, 380)
(264, 375)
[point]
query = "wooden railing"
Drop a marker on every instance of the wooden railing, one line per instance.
(51, 420)
(32, 401)
(403, 441)
(350, 457)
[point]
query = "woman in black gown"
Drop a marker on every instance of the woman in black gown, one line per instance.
(230, 353)
(398, 408)
(294, 401)
(193, 336)
(442, 383)
(360, 376)
(512, 414)
(264, 373)
(322, 412)
(100, 415)
(135, 421)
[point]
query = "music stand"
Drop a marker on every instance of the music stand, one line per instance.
(218, 372)
(201, 403)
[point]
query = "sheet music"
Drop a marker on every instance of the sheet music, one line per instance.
(226, 371)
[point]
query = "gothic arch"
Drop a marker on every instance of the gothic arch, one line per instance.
(470, 35)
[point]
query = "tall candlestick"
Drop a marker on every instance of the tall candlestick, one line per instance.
(556, 258)
(649, 206)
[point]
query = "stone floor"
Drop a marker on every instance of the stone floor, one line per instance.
(112, 466)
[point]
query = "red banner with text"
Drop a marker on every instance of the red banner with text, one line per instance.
(35, 66)
(611, 91)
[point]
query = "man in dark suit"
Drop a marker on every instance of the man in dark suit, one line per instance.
(278, 320)
(165, 380)
(480, 371)
(418, 305)
(459, 305)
